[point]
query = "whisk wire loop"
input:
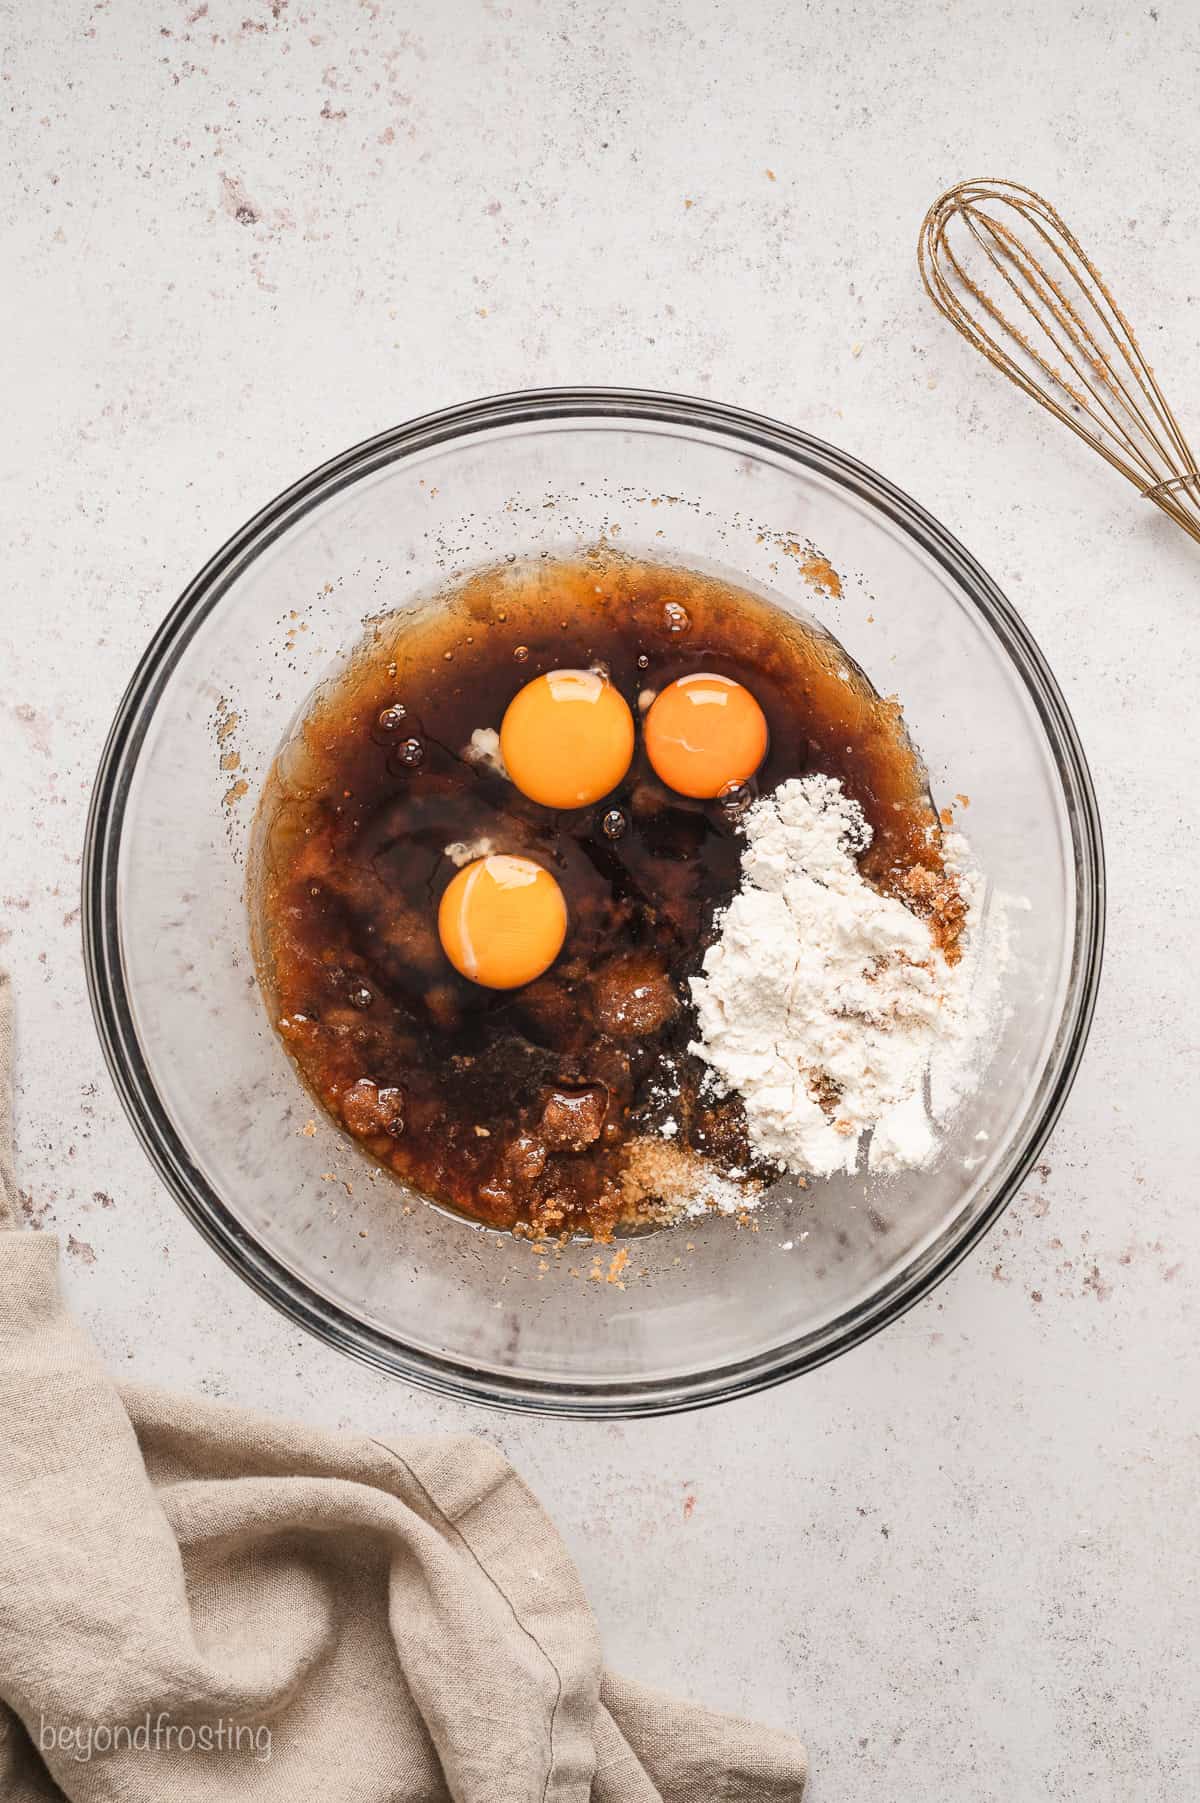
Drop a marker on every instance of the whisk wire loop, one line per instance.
(1004, 268)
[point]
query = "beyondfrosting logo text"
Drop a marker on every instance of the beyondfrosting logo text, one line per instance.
(82, 1741)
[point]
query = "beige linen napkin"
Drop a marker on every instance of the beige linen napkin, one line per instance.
(200, 1603)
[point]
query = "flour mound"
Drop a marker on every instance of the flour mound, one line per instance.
(823, 1003)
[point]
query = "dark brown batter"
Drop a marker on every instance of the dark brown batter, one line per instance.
(518, 1106)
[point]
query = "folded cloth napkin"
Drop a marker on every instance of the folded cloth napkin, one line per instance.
(203, 1603)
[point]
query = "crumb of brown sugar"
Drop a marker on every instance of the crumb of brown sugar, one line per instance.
(309, 1128)
(684, 1182)
(821, 574)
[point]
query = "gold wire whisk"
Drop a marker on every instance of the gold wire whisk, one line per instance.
(1011, 276)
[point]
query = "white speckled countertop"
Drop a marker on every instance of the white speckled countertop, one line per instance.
(240, 236)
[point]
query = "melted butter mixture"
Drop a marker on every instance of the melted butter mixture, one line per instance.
(530, 1107)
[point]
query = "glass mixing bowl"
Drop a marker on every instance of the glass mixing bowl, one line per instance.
(707, 1310)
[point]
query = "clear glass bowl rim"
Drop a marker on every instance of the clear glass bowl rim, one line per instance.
(111, 1003)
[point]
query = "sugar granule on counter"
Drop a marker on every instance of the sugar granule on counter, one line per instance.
(823, 1003)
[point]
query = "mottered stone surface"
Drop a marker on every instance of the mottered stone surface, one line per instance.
(240, 236)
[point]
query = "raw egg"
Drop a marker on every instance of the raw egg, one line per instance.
(502, 921)
(704, 733)
(567, 738)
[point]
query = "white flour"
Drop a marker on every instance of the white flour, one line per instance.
(484, 748)
(465, 851)
(823, 1003)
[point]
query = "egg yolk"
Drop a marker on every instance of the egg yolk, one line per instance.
(502, 921)
(704, 733)
(567, 738)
